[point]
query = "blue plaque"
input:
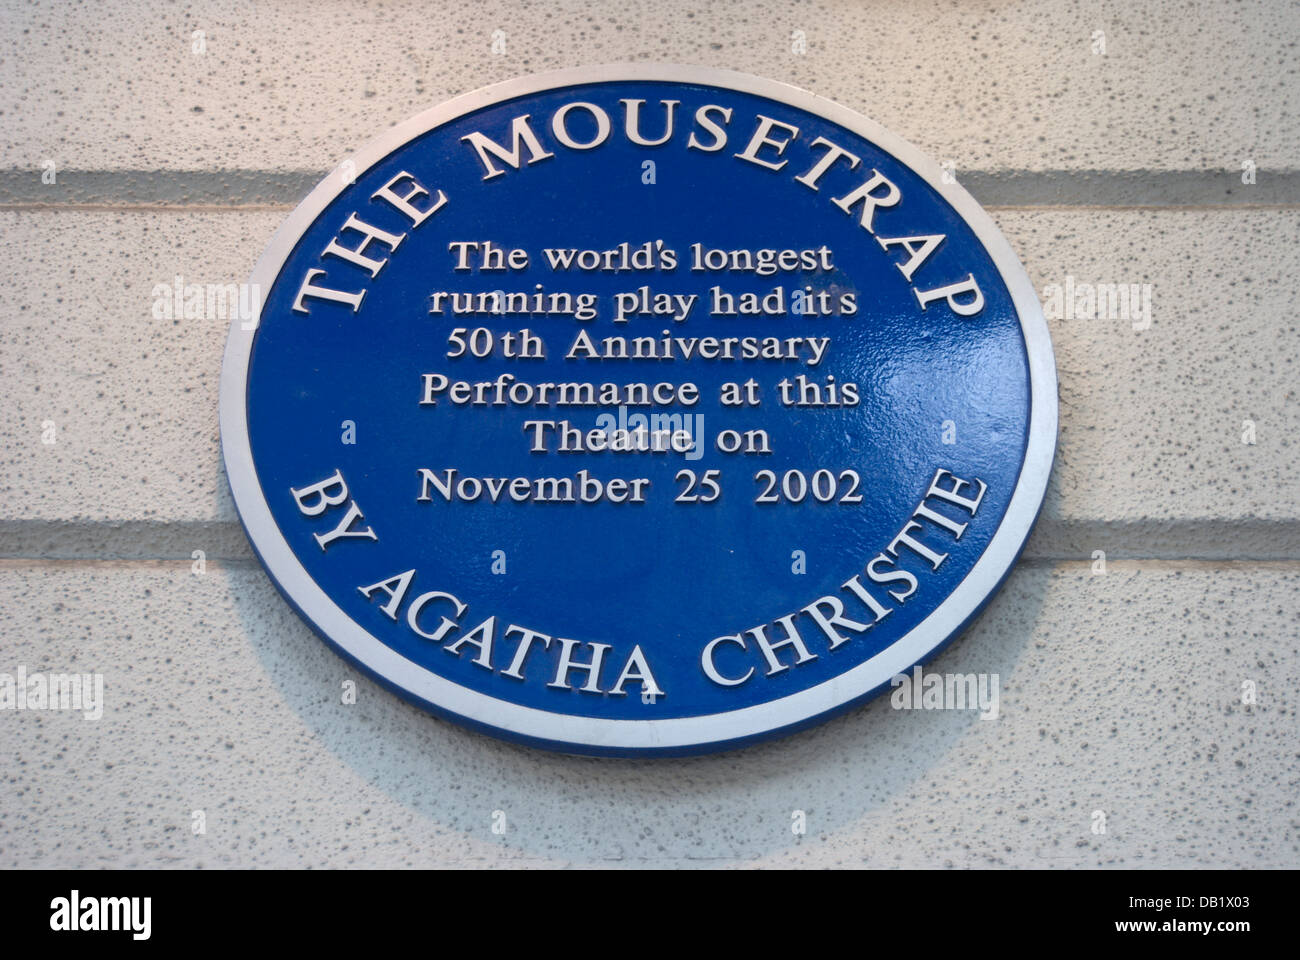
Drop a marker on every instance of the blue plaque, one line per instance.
(639, 409)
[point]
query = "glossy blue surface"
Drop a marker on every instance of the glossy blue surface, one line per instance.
(666, 576)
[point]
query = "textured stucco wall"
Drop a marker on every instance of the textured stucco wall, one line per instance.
(1121, 692)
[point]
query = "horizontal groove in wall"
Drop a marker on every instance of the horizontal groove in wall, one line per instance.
(1053, 541)
(1121, 566)
(226, 189)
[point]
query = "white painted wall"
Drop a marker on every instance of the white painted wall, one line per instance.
(1120, 692)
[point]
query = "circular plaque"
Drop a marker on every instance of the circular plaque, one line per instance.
(639, 409)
